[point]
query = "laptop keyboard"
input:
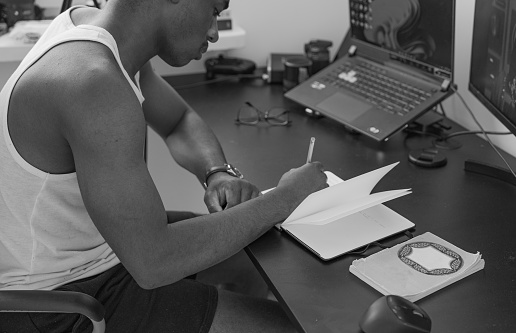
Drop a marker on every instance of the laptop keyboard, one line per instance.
(374, 84)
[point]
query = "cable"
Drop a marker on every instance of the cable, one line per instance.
(473, 132)
(482, 130)
(361, 252)
(442, 113)
(423, 133)
(380, 245)
(221, 79)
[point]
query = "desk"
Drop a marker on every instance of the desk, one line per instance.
(474, 212)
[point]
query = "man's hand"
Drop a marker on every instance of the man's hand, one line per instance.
(225, 191)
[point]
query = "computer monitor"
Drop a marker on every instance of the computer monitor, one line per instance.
(493, 69)
(493, 59)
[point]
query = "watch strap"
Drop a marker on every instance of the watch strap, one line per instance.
(227, 168)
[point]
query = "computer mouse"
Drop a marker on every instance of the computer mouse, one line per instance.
(395, 314)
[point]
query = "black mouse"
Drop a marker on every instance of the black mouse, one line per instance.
(395, 314)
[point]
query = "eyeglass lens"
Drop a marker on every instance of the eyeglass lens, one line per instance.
(277, 116)
(250, 115)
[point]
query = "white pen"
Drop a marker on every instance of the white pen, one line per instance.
(310, 150)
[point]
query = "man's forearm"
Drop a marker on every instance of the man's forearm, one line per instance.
(217, 237)
(194, 146)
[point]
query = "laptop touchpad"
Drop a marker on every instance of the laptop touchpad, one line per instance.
(344, 107)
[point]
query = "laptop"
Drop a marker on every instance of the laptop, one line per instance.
(395, 64)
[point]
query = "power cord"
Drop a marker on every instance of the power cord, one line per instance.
(444, 138)
(380, 245)
(443, 113)
(483, 131)
(363, 251)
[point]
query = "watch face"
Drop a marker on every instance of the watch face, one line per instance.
(234, 171)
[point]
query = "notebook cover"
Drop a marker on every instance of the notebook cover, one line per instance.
(416, 268)
(349, 233)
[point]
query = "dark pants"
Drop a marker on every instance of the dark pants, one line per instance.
(183, 307)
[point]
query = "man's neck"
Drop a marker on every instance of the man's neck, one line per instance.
(129, 31)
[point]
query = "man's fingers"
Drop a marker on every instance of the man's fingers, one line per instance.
(214, 203)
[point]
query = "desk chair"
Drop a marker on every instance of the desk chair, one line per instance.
(54, 301)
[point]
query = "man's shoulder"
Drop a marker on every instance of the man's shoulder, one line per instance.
(76, 82)
(73, 62)
(86, 60)
(77, 70)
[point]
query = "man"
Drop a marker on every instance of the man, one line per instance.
(79, 210)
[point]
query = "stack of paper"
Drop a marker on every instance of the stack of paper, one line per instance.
(416, 268)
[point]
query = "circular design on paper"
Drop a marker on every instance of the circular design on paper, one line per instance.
(455, 265)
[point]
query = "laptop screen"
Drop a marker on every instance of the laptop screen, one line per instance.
(414, 32)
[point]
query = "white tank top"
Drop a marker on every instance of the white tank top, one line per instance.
(46, 235)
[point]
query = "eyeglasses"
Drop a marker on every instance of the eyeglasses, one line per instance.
(248, 114)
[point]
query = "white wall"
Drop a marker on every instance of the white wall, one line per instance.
(285, 25)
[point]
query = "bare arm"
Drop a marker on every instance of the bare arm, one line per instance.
(105, 128)
(191, 141)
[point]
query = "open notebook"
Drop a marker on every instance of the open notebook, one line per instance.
(346, 216)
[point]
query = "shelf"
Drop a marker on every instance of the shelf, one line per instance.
(12, 50)
(229, 39)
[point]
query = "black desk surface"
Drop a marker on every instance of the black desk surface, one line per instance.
(472, 211)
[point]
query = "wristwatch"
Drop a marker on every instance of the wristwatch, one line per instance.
(227, 168)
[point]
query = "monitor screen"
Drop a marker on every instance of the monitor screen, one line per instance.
(493, 59)
(416, 31)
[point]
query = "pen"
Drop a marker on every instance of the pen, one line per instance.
(310, 150)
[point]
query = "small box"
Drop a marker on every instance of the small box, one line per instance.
(224, 24)
(275, 66)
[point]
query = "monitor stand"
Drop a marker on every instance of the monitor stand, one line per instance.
(490, 170)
